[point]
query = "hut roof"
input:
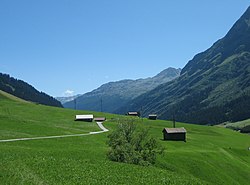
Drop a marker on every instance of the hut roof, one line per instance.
(132, 112)
(90, 116)
(175, 130)
(152, 115)
(100, 119)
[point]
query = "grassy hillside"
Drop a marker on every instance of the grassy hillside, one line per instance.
(238, 125)
(20, 119)
(211, 155)
(242, 126)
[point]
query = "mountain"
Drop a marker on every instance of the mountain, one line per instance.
(111, 96)
(213, 87)
(25, 91)
(64, 100)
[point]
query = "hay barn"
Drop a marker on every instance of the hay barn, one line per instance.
(133, 114)
(152, 116)
(174, 134)
(100, 119)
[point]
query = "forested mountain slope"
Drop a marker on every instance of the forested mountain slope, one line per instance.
(111, 96)
(213, 87)
(25, 91)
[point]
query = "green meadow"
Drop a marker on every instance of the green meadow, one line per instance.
(211, 155)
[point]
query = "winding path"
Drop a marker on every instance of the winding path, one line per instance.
(100, 125)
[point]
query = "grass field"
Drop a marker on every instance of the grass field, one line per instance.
(237, 125)
(211, 155)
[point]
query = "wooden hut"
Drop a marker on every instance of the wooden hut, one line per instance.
(152, 116)
(174, 134)
(101, 119)
(133, 114)
(88, 118)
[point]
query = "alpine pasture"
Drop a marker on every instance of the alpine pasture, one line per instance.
(211, 155)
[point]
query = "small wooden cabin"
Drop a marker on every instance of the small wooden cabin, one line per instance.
(174, 134)
(133, 114)
(100, 119)
(88, 118)
(152, 116)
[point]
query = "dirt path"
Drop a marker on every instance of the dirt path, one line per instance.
(100, 125)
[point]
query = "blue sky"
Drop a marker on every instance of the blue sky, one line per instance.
(77, 45)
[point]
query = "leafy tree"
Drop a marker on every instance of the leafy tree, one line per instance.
(131, 144)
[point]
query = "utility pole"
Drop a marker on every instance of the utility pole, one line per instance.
(174, 119)
(75, 103)
(141, 114)
(101, 104)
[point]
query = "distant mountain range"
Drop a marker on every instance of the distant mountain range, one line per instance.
(213, 87)
(66, 99)
(112, 96)
(25, 91)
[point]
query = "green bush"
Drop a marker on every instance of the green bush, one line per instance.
(131, 144)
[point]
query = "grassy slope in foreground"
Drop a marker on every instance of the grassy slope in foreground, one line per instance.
(211, 156)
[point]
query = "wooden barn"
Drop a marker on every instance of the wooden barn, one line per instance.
(133, 114)
(174, 134)
(100, 119)
(87, 118)
(152, 116)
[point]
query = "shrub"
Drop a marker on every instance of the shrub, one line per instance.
(131, 144)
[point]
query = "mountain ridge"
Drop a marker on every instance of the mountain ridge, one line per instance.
(65, 99)
(110, 96)
(212, 88)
